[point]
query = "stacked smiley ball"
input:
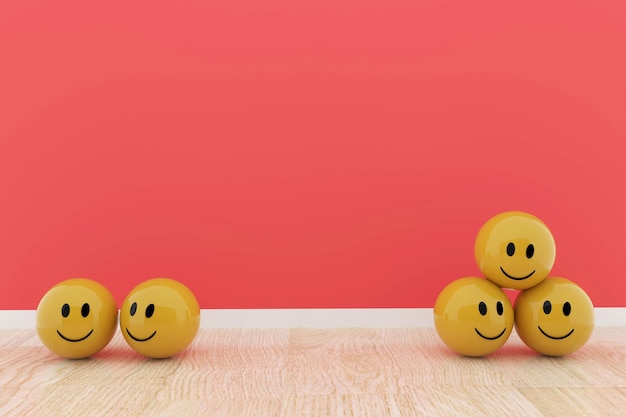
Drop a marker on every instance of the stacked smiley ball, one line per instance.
(552, 315)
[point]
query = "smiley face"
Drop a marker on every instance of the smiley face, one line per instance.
(554, 318)
(159, 318)
(473, 316)
(76, 318)
(515, 250)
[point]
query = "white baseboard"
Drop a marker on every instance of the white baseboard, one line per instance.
(332, 317)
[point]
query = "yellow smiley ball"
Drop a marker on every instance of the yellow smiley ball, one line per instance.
(160, 317)
(554, 318)
(515, 250)
(473, 316)
(76, 318)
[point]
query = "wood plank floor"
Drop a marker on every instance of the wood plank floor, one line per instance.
(375, 372)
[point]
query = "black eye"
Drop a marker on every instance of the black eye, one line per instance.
(84, 311)
(510, 249)
(149, 310)
(133, 309)
(530, 251)
(567, 308)
(547, 307)
(500, 308)
(482, 308)
(65, 310)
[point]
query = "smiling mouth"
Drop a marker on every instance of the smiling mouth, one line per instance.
(140, 340)
(75, 340)
(490, 338)
(516, 278)
(553, 337)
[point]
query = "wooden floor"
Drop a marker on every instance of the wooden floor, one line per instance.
(314, 372)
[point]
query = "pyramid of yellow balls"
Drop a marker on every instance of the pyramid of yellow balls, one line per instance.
(552, 315)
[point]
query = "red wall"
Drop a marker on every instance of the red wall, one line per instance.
(333, 154)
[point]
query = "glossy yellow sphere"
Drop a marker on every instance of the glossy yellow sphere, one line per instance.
(473, 316)
(554, 318)
(76, 318)
(515, 250)
(160, 317)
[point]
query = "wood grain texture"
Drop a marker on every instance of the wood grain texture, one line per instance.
(376, 372)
